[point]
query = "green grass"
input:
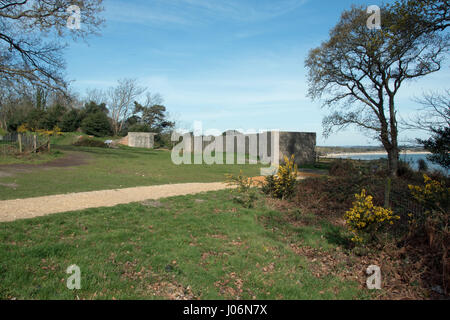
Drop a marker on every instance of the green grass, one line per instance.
(205, 242)
(31, 158)
(322, 164)
(113, 168)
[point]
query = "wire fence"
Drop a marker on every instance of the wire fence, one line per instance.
(406, 205)
(18, 143)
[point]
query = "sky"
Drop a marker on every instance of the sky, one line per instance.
(231, 64)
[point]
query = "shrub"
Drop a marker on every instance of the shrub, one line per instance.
(423, 166)
(55, 132)
(52, 117)
(434, 222)
(2, 132)
(36, 119)
(139, 127)
(342, 167)
(439, 145)
(364, 220)
(269, 185)
(404, 170)
(434, 197)
(71, 121)
(247, 194)
(23, 128)
(96, 124)
(283, 184)
(90, 143)
(163, 140)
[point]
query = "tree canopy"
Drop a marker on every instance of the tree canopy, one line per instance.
(358, 71)
(33, 35)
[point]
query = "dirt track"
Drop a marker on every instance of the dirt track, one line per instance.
(11, 210)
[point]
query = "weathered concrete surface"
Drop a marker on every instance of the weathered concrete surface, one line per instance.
(259, 146)
(300, 144)
(141, 139)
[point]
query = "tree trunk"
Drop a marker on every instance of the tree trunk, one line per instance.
(393, 161)
(393, 132)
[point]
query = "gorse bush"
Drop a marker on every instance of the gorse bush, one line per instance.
(25, 128)
(282, 185)
(433, 223)
(434, 197)
(365, 219)
(246, 192)
(55, 132)
(269, 185)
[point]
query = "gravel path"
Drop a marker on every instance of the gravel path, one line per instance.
(11, 210)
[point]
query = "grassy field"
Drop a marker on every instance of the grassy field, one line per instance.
(202, 246)
(32, 158)
(104, 168)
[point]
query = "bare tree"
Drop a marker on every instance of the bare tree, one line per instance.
(121, 101)
(32, 36)
(96, 95)
(359, 71)
(153, 99)
(435, 112)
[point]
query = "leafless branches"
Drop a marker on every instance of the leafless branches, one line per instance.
(121, 101)
(435, 112)
(31, 38)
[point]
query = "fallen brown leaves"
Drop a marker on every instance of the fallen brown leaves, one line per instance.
(396, 279)
(231, 286)
(144, 279)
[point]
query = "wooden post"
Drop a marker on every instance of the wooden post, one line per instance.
(34, 143)
(48, 144)
(20, 143)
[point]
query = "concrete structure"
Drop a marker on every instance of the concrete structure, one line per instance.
(141, 139)
(300, 144)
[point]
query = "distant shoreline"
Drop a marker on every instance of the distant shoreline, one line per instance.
(382, 153)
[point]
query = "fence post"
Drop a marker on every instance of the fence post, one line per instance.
(20, 142)
(34, 143)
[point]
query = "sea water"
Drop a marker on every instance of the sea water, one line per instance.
(411, 158)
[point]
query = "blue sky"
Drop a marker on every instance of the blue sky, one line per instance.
(232, 64)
